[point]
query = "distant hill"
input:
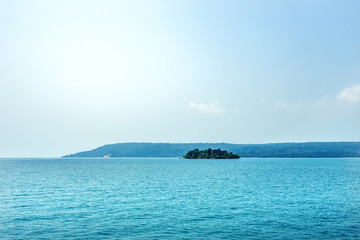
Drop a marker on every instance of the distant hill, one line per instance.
(281, 150)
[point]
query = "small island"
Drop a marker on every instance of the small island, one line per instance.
(210, 154)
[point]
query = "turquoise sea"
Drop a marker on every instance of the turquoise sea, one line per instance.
(170, 198)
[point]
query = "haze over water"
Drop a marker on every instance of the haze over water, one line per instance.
(170, 198)
(75, 75)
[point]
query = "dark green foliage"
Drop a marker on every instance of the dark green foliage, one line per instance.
(209, 153)
(280, 150)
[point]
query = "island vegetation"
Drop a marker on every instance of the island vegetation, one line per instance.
(210, 153)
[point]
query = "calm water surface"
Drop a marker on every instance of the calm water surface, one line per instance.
(149, 198)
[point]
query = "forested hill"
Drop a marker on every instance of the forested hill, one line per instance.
(286, 150)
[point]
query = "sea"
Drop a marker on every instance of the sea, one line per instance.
(173, 198)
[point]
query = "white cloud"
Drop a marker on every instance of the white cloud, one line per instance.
(212, 108)
(351, 94)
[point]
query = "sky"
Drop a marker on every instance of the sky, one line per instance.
(75, 75)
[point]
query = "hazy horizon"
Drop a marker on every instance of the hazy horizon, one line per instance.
(76, 75)
(96, 147)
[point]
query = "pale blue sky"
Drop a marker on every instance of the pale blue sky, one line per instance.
(75, 75)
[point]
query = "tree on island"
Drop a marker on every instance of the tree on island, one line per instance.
(209, 153)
